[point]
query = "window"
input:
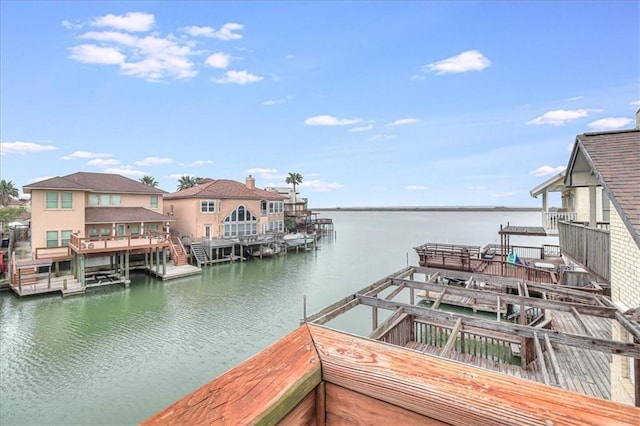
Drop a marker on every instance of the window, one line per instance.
(116, 200)
(263, 208)
(105, 232)
(52, 238)
(52, 200)
(134, 229)
(94, 200)
(105, 199)
(152, 227)
(154, 201)
(240, 222)
(276, 207)
(66, 200)
(207, 206)
(65, 238)
(93, 232)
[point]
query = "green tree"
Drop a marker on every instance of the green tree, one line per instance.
(294, 179)
(149, 180)
(10, 214)
(187, 181)
(7, 191)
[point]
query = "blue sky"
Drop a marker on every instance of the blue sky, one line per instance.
(373, 103)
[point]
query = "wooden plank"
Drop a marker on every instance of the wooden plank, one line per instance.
(453, 392)
(330, 308)
(348, 407)
(540, 357)
(585, 342)
(579, 320)
(339, 311)
(393, 320)
(303, 414)
(264, 388)
(489, 296)
(452, 339)
(436, 304)
(321, 404)
(395, 292)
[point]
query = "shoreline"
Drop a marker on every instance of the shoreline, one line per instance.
(430, 209)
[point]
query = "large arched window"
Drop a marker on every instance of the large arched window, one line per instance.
(240, 222)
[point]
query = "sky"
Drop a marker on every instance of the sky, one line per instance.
(374, 103)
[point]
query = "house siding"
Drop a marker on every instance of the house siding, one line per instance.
(625, 291)
(43, 219)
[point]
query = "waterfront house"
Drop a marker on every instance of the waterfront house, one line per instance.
(84, 217)
(609, 162)
(225, 209)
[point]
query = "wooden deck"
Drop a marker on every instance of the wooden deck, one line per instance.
(585, 371)
(173, 272)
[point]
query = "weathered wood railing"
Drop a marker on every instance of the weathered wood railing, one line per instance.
(590, 247)
(550, 220)
(480, 345)
(447, 255)
(119, 242)
(54, 253)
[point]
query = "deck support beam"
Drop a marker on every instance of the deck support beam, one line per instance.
(452, 339)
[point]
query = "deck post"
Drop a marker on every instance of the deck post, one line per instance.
(164, 262)
(126, 264)
(374, 318)
(49, 278)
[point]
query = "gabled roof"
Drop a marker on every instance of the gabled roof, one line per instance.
(95, 182)
(122, 215)
(553, 184)
(224, 188)
(614, 160)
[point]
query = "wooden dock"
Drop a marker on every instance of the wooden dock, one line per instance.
(172, 272)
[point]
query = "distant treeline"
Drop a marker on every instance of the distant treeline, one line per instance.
(431, 209)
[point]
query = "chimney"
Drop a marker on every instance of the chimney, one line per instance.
(638, 119)
(251, 182)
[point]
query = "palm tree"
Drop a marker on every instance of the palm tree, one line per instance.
(149, 180)
(294, 179)
(187, 181)
(7, 191)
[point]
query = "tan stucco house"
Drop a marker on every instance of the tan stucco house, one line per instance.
(605, 168)
(224, 209)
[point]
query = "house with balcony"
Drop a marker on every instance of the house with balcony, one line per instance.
(214, 215)
(605, 167)
(86, 221)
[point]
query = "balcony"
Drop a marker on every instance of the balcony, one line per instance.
(117, 243)
(587, 246)
(550, 220)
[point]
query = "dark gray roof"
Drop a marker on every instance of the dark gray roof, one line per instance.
(122, 215)
(615, 160)
(95, 182)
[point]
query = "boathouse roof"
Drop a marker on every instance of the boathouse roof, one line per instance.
(612, 160)
(94, 182)
(224, 188)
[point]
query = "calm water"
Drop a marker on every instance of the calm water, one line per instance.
(116, 356)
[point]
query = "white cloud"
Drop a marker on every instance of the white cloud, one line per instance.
(103, 162)
(125, 171)
(417, 77)
(111, 37)
(320, 186)
(238, 77)
(153, 161)
(610, 123)
(634, 103)
(471, 60)
(547, 171)
(417, 188)
(403, 121)
(290, 56)
(258, 170)
(362, 128)
(503, 194)
(272, 102)
(197, 163)
(70, 25)
(477, 188)
(92, 54)
(85, 154)
(177, 176)
(560, 117)
(226, 32)
(329, 120)
(576, 98)
(132, 21)
(19, 147)
(218, 60)
(382, 137)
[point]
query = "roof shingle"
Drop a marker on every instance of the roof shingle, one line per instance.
(95, 182)
(224, 188)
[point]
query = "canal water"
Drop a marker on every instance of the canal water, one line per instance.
(116, 355)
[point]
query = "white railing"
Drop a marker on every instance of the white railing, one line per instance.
(550, 220)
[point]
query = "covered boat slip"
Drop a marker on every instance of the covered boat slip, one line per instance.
(315, 375)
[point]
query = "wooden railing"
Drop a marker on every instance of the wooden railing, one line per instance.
(55, 253)
(114, 243)
(589, 247)
(474, 343)
(550, 220)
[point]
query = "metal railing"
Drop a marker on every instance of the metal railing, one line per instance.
(587, 246)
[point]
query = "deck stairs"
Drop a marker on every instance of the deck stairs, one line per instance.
(178, 253)
(199, 253)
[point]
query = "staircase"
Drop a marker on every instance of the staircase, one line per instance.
(199, 253)
(178, 253)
